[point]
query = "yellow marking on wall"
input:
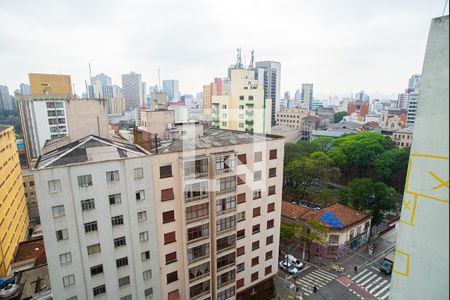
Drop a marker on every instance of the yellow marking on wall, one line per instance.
(442, 182)
(410, 220)
(430, 156)
(401, 258)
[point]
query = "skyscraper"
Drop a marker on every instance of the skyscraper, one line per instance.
(268, 73)
(25, 89)
(421, 254)
(307, 95)
(172, 90)
(132, 90)
(6, 100)
(414, 81)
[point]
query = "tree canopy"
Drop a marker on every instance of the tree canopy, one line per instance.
(392, 166)
(339, 116)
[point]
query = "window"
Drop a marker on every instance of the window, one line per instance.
(167, 194)
(269, 255)
(112, 176)
(254, 276)
(148, 293)
(268, 270)
(172, 277)
(96, 270)
(225, 204)
(143, 236)
(54, 186)
(122, 262)
(171, 257)
(199, 271)
(226, 294)
(198, 252)
(272, 190)
(273, 154)
(120, 241)
(256, 212)
(271, 207)
(225, 223)
(58, 211)
(142, 216)
(140, 195)
(197, 168)
(258, 156)
(138, 173)
(62, 234)
(117, 220)
(168, 216)
(197, 211)
(225, 163)
(90, 227)
(226, 242)
(241, 198)
(255, 261)
(87, 204)
(240, 216)
(240, 267)
(65, 258)
(269, 240)
(165, 171)
(124, 281)
(98, 290)
(241, 97)
(242, 159)
(127, 297)
(240, 234)
(115, 199)
(198, 232)
(147, 275)
(84, 181)
(225, 278)
(145, 255)
(270, 224)
(241, 179)
(92, 249)
(227, 184)
(257, 176)
(199, 289)
(196, 191)
(240, 251)
(256, 194)
(169, 238)
(272, 172)
(69, 280)
(240, 283)
(256, 229)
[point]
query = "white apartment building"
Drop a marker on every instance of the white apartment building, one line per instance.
(307, 95)
(246, 108)
(292, 117)
(269, 75)
(218, 204)
(98, 220)
(49, 117)
(412, 107)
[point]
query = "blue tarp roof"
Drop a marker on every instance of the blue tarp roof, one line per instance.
(331, 220)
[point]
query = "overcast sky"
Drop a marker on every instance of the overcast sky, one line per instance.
(341, 46)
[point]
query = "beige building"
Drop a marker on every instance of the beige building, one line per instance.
(50, 84)
(207, 97)
(292, 117)
(158, 122)
(218, 206)
(245, 109)
(403, 137)
(30, 194)
(117, 105)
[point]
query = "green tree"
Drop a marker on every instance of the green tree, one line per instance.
(314, 232)
(339, 116)
(289, 232)
(293, 151)
(326, 197)
(323, 144)
(392, 166)
(365, 195)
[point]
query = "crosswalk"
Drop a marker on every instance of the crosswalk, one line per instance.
(318, 278)
(373, 282)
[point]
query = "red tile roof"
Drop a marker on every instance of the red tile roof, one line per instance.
(32, 249)
(292, 211)
(348, 216)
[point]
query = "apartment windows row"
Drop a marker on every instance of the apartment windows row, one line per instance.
(253, 277)
(199, 271)
(258, 156)
(113, 199)
(86, 180)
(63, 234)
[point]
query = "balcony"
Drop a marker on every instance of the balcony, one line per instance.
(215, 120)
(227, 191)
(249, 104)
(249, 130)
(199, 295)
(226, 231)
(191, 280)
(199, 219)
(197, 199)
(225, 171)
(215, 111)
(226, 212)
(249, 112)
(227, 248)
(222, 284)
(227, 266)
(249, 122)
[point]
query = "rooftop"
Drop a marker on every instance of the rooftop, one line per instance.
(331, 133)
(31, 252)
(215, 138)
(346, 215)
(4, 127)
(409, 130)
(89, 149)
(292, 211)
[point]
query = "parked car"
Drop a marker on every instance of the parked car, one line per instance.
(288, 267)
(294, 261)
(387, 264)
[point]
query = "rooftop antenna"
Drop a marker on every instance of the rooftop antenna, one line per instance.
(252, 60)
(445, 6)
(90, 74)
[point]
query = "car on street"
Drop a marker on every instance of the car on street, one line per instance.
(288, 267)
(387, 264)
(294, 261)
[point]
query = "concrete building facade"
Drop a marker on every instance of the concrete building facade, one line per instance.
(13, 205)
(307, 95)
(132, 90)
(403, 137)
(292, 117)
(268, 73)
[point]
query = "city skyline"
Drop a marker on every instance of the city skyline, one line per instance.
(362, 38)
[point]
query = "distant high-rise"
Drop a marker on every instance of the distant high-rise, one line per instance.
(413, 101)
(268, 73)
(25, 89)
(414, 81)
(132, 90)
(104, 79)
(171, 88)
(215, 88)
(6, 100)
(307, 95)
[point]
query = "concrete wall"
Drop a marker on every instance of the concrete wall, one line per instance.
(87, 117)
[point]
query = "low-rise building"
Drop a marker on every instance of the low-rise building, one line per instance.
(292, 117)
(349, 229)
(309, 124)
(291, 135)
(403, 137)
